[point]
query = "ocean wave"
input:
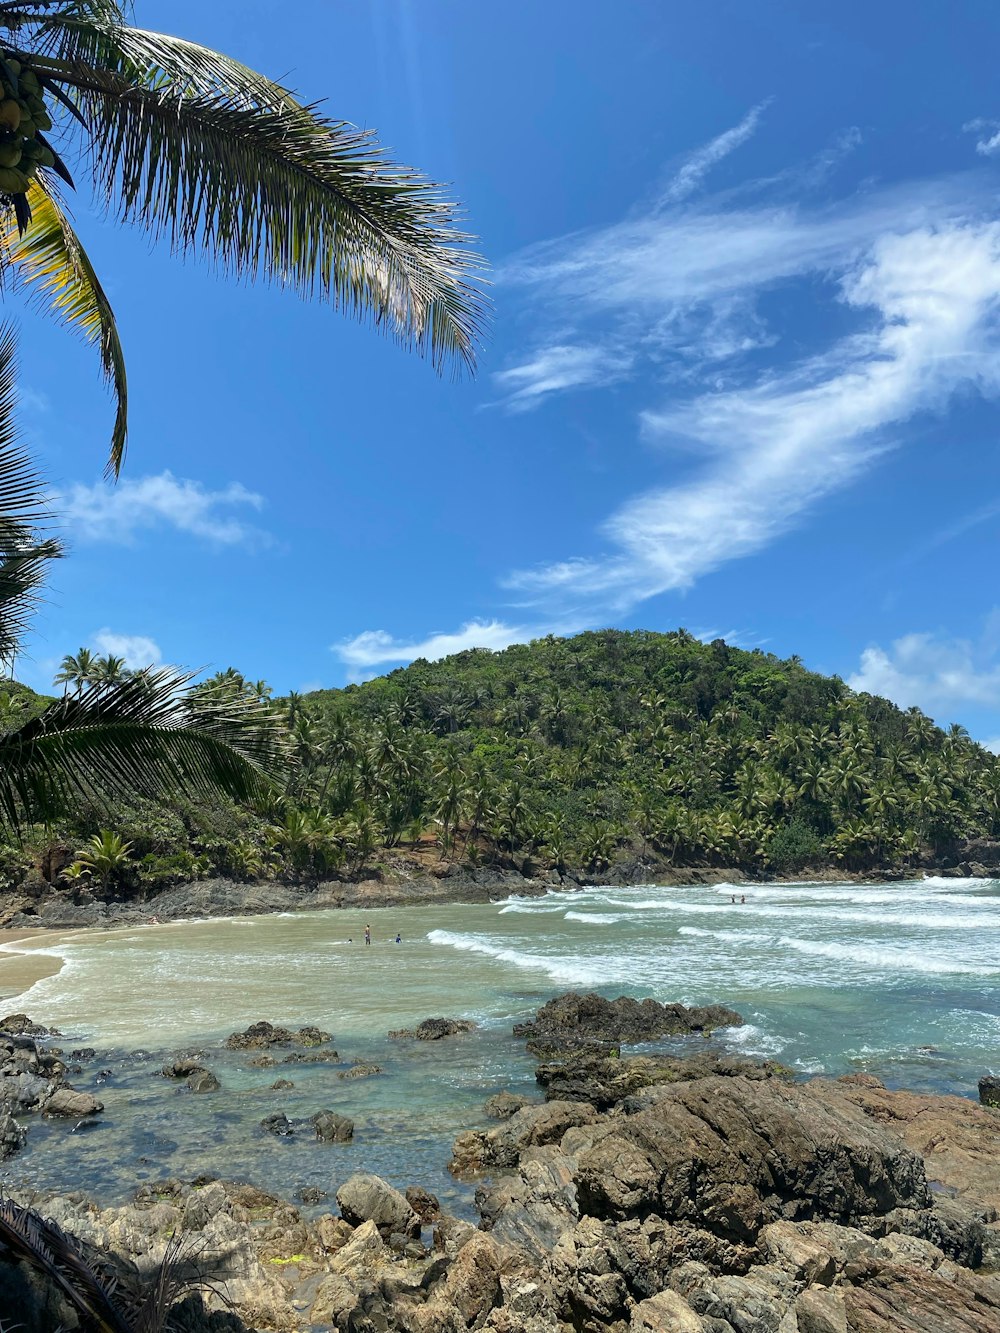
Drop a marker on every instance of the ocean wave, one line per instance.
(886, 960)
(577, 971)
(596, 918)
(753, 1040)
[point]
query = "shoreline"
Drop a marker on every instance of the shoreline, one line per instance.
(196, 900)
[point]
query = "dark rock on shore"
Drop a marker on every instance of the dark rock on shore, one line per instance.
(989, 1091)
(361, 1070)
(505, 1104)
(573, 1020)
(202, 1080)
(605, 1079)
(13, 1136)
(278, 1123)
(332, 1128)
(263, 1035)
(433, 1029)
(20, 1025)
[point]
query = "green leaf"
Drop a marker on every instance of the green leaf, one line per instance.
(49, 260)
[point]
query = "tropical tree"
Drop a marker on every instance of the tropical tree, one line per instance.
(76, 669)
(147, 732)
(104, 858)
(193, 146)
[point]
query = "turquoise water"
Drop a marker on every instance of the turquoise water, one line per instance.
(902, 980)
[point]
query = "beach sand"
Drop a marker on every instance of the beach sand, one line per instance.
(19, 970)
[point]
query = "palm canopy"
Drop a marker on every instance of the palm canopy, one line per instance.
(196, 147)
(149, 731)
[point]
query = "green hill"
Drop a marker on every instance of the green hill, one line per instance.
(640, 749)
(582, 750)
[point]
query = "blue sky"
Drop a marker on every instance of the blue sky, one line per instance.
(744, 374)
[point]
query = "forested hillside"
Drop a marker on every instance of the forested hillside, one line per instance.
(575, 753)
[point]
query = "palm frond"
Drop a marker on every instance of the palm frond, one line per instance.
(50, 260)
(43, 1244)
(24, 553)
(145, 733)
(269, 187)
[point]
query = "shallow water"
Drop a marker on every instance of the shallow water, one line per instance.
(901, 980)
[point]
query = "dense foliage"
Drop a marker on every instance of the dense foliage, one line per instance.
(577, 753)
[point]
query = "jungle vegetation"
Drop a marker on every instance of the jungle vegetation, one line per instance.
(567, 754)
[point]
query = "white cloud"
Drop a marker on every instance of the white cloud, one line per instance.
(106, 513)
(990, 144)
(923, 285)
(559, 367)
(138, 650)
(938, 674)
(698, 165)
(375, 647)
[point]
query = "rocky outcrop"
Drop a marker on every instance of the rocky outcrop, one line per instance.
(989, 1090)
(332, 1128)
(263, 1035)
(433, 1029)
(574, 1020)
(366, 1198)
(72, 1104)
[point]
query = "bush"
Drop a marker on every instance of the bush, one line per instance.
(793, 846)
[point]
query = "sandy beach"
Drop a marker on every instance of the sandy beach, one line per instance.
(20, 969)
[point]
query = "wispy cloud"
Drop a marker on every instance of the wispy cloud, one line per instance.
(938, 674)
(989, 130)
(559, 367)
(375, 647)
(118, 514)
(918, 270)
(701, 162)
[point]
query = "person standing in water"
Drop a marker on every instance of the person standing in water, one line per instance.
(368, 934)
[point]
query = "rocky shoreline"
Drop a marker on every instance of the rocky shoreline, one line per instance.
(397, 886)
(688, 1193)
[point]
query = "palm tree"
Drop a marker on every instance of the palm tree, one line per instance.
(76, 669)
(144, 733)
(104, 857)
(109, 670)
(194, 146)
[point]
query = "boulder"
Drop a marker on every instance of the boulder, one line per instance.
(12, 1136)
(72, 1104)
(571, 1020)
(424, 1204)
(533, 1126)
(989, 1090)
(666, 1312)
(312, 1036)
(202, 1080)
(182, 1066)
(366, 1198)
(433, 1029)
(360, 1070)
(332, 1128)
(503, 1105)
(278, 1123)
(258, 1036)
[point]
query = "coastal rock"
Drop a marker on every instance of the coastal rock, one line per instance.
(604, 1079)
(202, 1080)
(332, 1128)
(532, 1126)
(20, 1025)
(361, 1070)
(989, 1090)
(67, 1102)
(572, 1020)
(366, 1198)
(312, 1036)
(12, 1136)
(433, 1029)
(280, 1084)
(23, 1092)
(503, 1105)
(424, 1204)
(258, 1036)
(278, 1124)
(182, 1067)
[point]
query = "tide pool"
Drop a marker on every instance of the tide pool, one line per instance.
(900, 980)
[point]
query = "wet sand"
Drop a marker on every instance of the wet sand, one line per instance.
(21, 969)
